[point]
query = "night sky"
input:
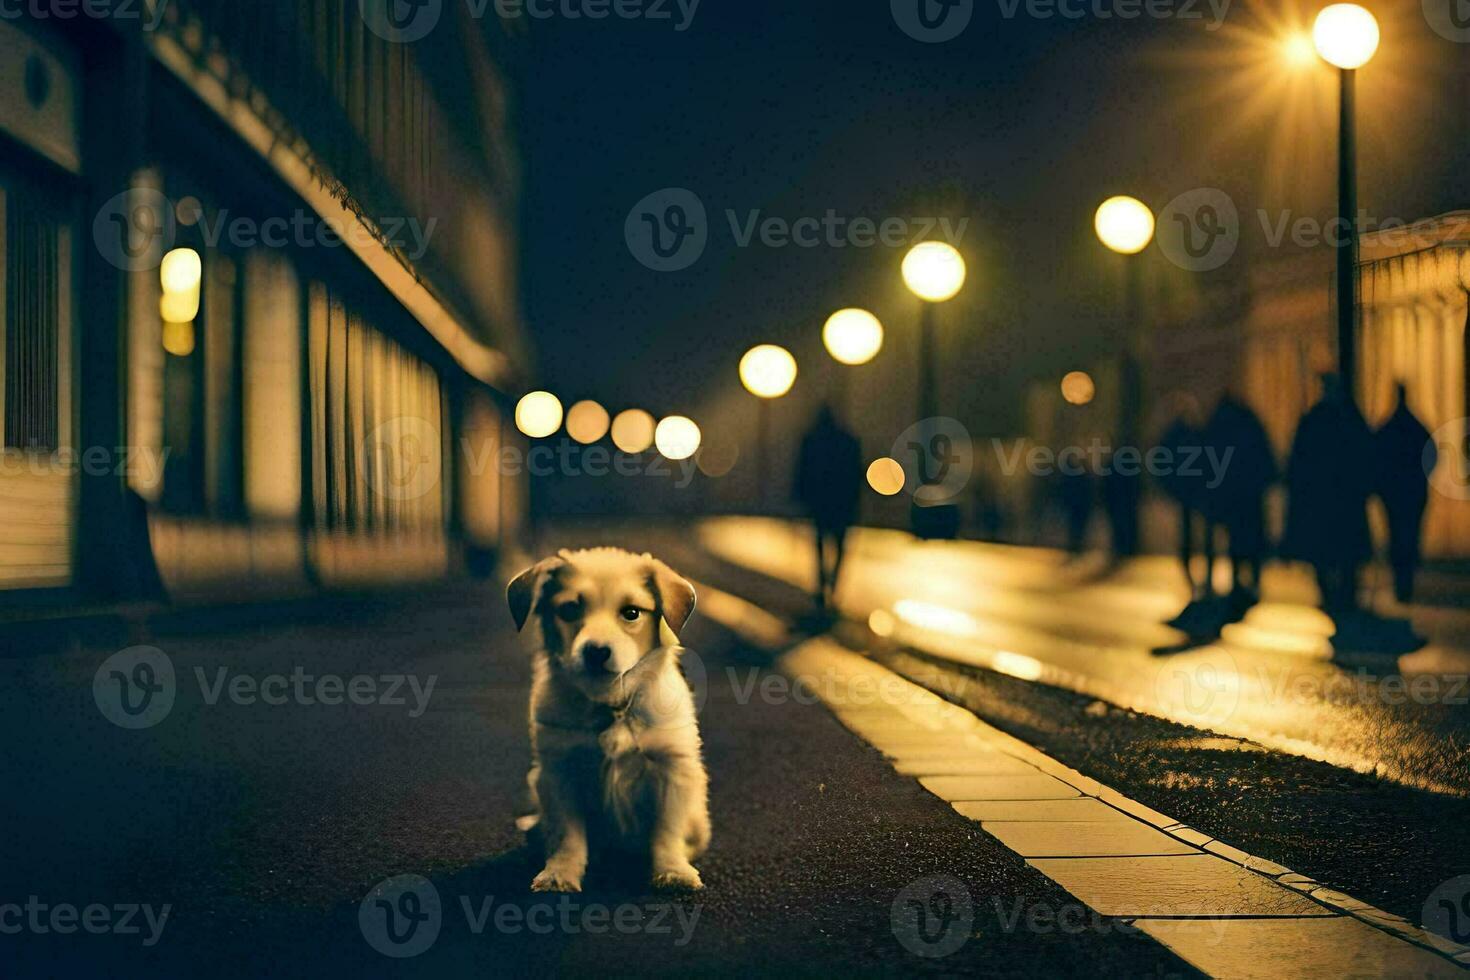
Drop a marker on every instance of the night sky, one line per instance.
(1020, 125)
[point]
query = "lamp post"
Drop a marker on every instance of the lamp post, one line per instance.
(1125, 225)
(1346, 36)
(767, 372)
(935, 273)
(853, 337)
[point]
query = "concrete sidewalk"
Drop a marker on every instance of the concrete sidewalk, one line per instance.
(1038, 615)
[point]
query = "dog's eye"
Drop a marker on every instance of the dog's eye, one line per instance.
(569, 611)
(631, 613)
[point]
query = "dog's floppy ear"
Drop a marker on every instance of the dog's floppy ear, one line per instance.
(521, 592)
(676, 596)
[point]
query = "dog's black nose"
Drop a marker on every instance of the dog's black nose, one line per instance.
(596, 656)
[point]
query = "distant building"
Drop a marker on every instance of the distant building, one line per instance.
(283, 405)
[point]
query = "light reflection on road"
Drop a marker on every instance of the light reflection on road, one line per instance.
(1030, 613)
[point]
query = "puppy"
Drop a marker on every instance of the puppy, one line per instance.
(614, 742)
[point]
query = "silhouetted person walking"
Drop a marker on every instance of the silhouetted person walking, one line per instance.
(1329, 477)
(829, 475)
(1182, 441)
(1243, 450)
(1406, 457)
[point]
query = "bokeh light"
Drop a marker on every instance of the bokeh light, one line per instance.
(934, 271)
(1298, 51)
(587, 422)
(538, 414)
(885, 475)
(632, 430)
(1124, 224)
(178, 338)
(718, 458)
(1078, 388)
(180, 271)
(677, 437)
(768, 371)
(881, 622)
(853, 336)
(1345, 35)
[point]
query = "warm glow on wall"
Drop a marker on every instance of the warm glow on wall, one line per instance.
(587, 422)
(538, 414)
(677, 437)
(1078, 388)
(178, 338)
(180, 271)
(632, 430)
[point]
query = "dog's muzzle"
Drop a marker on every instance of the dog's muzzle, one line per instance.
(595, 657)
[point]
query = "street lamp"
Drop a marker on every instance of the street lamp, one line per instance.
(538, 414)
(767, 371)
(934, 272)
(853, 337)
(1126, 225)
(1346, 36)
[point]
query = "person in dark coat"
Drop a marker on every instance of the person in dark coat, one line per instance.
(1406, 456)
(1329, 476)
(829, 476)
(1180, 441)
(1239, 442)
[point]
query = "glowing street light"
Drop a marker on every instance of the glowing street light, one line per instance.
(538, 414)
(632, 431)
(587, 422)
(1124, 224)
(1346, 36)
(853, 336)
(677, 437)
(768, 371)
(885, 476)
(934, 272)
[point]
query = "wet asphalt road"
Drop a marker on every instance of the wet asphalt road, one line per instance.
(1376, 839)
(262, 827)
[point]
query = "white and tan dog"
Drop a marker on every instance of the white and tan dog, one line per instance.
(615, 749)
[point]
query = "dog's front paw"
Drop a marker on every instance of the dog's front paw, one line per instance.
(683, 878)
(556, 880)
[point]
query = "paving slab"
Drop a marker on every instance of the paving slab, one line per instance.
(1188, 885)
(1118, 836)
(1077, 808)
(968, 764)
(1339, 946)
(1020, 786)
